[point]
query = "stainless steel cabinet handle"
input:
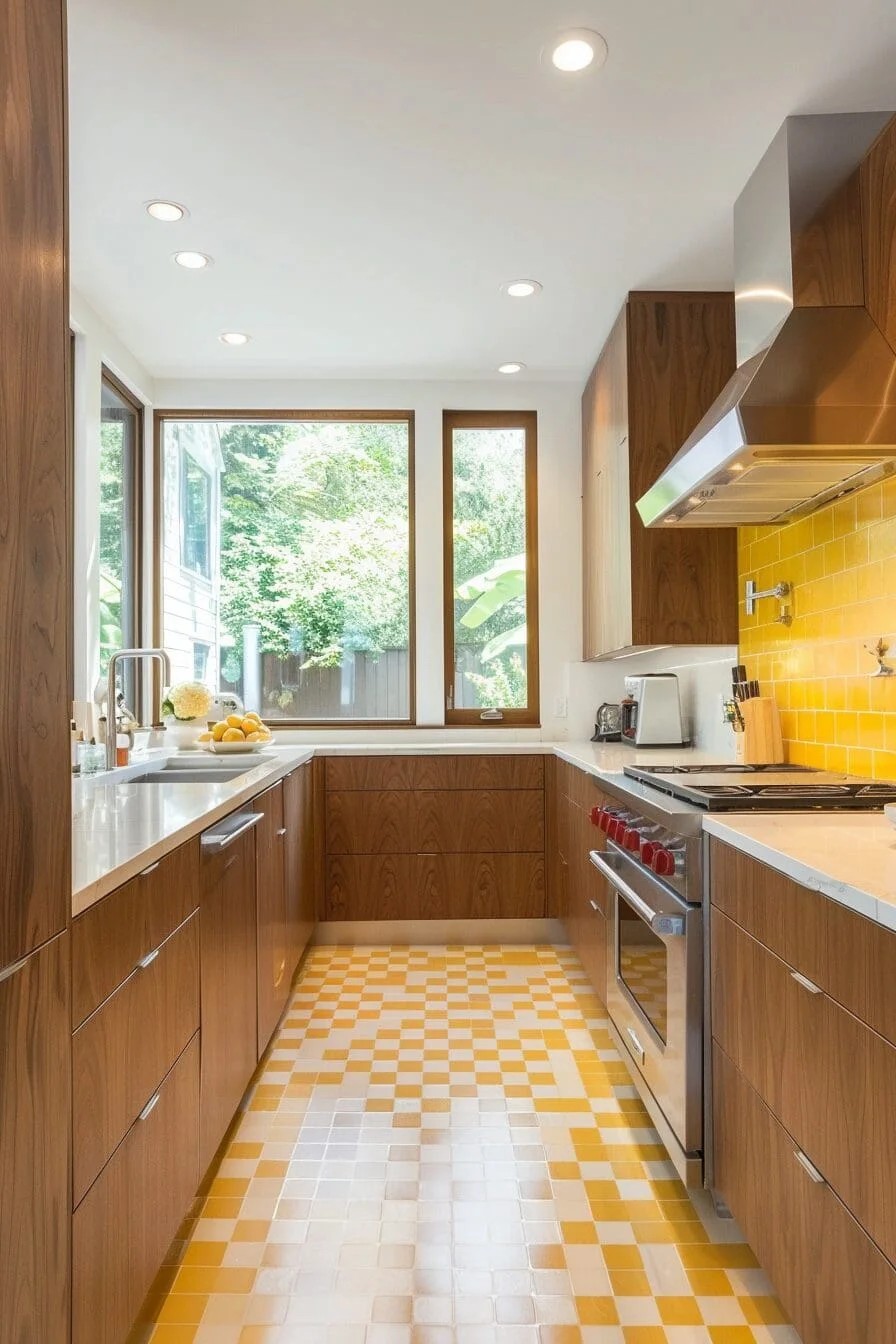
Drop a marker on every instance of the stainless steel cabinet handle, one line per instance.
(809, 1167)
(594, 905)
(672, 926)
(151, 869)
(219, 839)
(805, 982)
(148, 959)
(282, 830)
(638, 1049)
(10, 971)
(150, 1106)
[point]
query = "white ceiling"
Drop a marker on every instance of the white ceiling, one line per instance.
(366, 173)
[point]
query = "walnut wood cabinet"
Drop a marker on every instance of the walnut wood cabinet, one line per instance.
(298, 819)
(35, 1103)
(228, 987)
(666, 359)
(586, 906)
(804, 1093)
(435, 837)
(273, 974)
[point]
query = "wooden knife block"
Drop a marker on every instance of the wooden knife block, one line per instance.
(763, 742)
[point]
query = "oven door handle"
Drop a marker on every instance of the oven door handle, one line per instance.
(667, 926)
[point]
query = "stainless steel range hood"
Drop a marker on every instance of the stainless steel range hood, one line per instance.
(811, 411)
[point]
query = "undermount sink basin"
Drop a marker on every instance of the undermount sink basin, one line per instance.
(192, 776)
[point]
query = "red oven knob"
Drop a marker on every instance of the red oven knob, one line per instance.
(595, 814)
(663, 861)
(648, 849)
(604, 818)
(631, 840)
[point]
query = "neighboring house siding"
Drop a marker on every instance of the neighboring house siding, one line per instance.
(191, 601)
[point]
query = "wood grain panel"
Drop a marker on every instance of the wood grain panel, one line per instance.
(123, 1228)
(112, 936)
(589, 902)
(852, 958)
(832, 1280)
(681, 353)
(301, 902)
(227, 987)
(435, 886)
(827, 253)
(877, 176)
(35, 1146)
(392, 773)
(272, 938)
(35, 527)
(443, 821)
(118, 1063)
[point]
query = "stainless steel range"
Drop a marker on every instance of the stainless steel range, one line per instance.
(653, 864)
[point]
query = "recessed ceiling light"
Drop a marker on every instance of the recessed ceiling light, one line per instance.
(511, 368)
(522, 289)
(234, 338)
(577, 50)
(169, 212)
(194, 261)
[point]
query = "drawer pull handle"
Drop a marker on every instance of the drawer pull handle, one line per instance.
(638, 1047)
(10, 971)
(280, 972)
(150, 1107)
(593, 904)
(151, 869)
(147, 960)
(805, 982)
(229, 830)
(282, 830)
(809, 1167)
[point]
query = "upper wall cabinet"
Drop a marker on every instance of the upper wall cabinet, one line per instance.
(666, 360)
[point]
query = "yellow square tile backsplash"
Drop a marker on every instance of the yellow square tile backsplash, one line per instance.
(841, 563)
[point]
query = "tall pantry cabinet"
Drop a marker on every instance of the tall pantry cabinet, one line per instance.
(35, 787)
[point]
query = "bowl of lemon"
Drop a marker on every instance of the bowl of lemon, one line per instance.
(236, 734)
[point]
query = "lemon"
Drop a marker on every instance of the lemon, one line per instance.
(254, 736)
(250, 714)
(206, 737)
(218, 731)
(234, 735)
(234, 720)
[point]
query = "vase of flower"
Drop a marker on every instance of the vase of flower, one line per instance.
(185, 708)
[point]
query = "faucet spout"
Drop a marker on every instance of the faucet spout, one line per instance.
(157, 655)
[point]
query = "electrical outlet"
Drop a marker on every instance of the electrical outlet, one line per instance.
(561, 707)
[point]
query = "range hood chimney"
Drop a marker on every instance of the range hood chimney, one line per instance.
(810, 413)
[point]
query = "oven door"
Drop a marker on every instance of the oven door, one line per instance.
(654, 990)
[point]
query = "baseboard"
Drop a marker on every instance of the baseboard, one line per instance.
(438, 932)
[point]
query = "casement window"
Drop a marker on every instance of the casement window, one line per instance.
(121, 464)
(491, 567)
(286, 549)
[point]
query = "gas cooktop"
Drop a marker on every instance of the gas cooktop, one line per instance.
(764, 788)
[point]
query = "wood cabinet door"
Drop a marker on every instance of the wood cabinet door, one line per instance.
(35, 1144)
(227, 987)
(35, 526)
(270, 891)
(301, 904)
(832, 1280)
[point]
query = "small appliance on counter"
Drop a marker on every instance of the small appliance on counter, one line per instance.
(651, 711)
(608, 724)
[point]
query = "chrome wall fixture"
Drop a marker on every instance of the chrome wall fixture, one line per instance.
(780, 590)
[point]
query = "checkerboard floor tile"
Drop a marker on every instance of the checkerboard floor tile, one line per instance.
(445, 1148)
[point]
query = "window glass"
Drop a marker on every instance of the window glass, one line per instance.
(305, 600)
(491, 618)
(120, 435)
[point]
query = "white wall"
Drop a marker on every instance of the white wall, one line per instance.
(96, 345)
(559, 504)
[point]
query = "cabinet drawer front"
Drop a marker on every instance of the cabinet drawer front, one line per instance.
(122, 1229)
(121, 1054)
(112, 936)
(852, 958)
(831, 1278)
(434, 772)
(829, 1079)
(484, 821)
(435, 886)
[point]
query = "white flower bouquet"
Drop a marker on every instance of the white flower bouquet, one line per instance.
(187, 700)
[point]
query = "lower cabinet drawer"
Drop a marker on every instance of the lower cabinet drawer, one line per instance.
(123, 1051)
(435, 886)
(836, 1285)
(125, 1224)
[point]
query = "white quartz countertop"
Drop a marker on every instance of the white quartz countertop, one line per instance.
(850, 857)
(120, 827)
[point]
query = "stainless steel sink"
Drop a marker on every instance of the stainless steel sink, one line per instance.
(191, 776)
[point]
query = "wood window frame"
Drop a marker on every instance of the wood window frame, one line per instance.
(527, 421)
(264, 417)
(135, 523)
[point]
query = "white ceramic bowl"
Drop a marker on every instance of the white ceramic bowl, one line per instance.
(236, 748)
